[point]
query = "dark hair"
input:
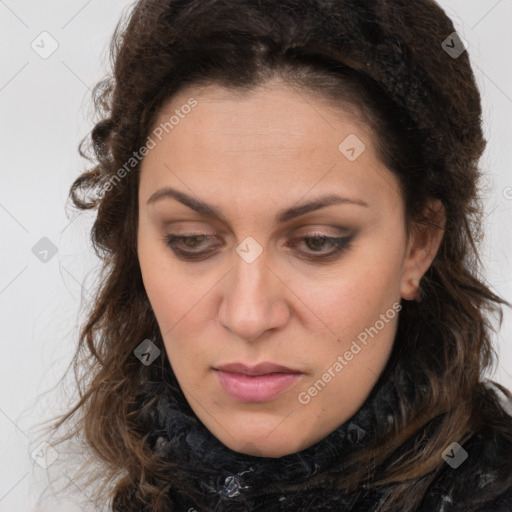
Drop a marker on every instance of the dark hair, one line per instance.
(383, 61)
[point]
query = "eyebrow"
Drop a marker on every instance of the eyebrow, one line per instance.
(282, 216)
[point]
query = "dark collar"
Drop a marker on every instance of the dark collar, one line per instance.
(176, 434)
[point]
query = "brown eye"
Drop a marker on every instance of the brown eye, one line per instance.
(185, 246)
(193, 241)
(315, 244)
(318, 242)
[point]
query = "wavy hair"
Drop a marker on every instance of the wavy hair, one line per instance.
(160, 47)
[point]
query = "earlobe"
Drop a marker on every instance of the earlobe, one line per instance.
(422, 249)
(410, 290)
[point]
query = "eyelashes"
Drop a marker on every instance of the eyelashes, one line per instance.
(184, 246)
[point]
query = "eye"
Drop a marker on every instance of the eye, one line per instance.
(185, 246)
(190, 241)
(315, 241)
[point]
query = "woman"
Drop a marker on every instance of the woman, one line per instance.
(290, 316)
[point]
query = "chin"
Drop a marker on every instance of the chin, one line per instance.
(264, 433)
(265, 448)
(265, 441)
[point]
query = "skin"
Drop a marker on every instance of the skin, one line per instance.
(251, 155)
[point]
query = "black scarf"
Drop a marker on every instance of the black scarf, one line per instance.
(232, 481)
(208, 476)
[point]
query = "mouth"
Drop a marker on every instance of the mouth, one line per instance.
(260, 383)
(257, 370)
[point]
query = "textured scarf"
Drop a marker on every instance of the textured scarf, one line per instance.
(239, 482)
(216, 478)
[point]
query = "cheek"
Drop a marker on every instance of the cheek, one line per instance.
(363, 285)
(349, 302)
(375, 271)
(164, 284)
(173, 299)
(179, 296)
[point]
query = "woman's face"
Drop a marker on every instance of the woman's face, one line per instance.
(253, 282)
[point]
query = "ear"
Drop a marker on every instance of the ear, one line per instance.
(422, 247)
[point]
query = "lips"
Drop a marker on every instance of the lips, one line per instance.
(260, 383)
(259, 369)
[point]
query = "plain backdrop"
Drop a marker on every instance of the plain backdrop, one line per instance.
(53, 52)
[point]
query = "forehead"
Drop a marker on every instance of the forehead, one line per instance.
(273, 110)
(270, 140)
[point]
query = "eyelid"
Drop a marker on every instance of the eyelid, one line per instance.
(341, 244)
(309, 230)
(339, 232)
(315, 233)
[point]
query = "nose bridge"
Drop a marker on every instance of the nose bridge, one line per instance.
(250, 276)
(252, 302)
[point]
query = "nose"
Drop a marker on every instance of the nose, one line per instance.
(254, 299)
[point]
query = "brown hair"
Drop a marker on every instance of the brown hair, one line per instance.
(164, 46)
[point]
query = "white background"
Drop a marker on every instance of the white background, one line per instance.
(45, 112)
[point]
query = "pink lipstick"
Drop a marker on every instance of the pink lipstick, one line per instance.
(259, 383)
